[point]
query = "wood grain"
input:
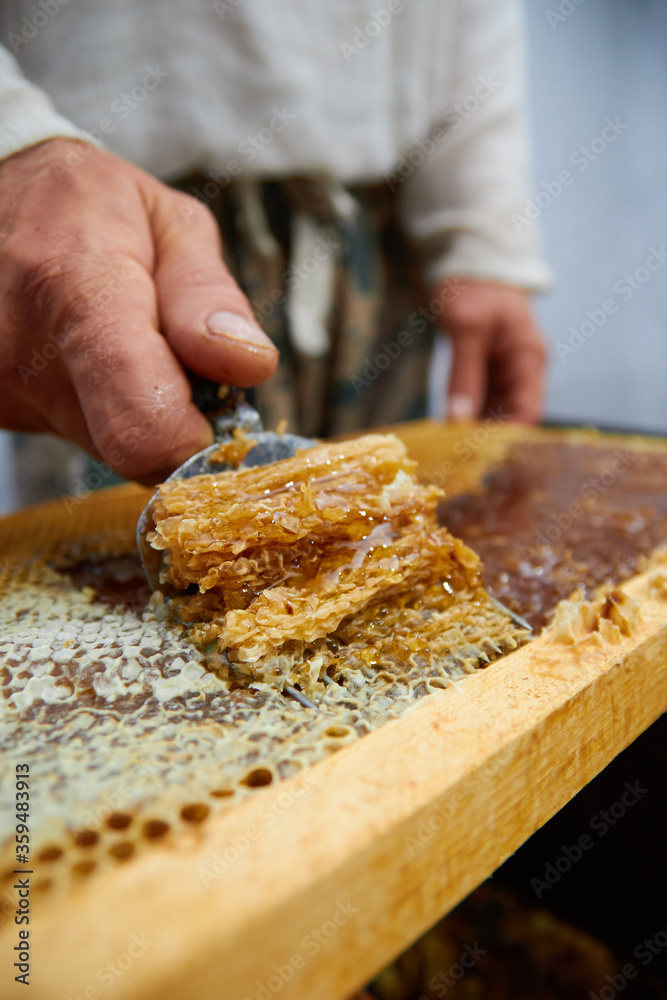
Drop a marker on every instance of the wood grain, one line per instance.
(386, 837)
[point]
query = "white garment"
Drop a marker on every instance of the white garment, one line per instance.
(268, 88)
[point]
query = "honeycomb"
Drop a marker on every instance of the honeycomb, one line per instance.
(133, 739)
(287, 552)
(136, 731)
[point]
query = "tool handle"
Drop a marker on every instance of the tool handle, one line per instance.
(207, 395)
(225, 406)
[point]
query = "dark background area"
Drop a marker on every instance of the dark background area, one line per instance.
(618, 890)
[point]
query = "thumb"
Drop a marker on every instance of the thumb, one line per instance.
(468, 376)
(203, 314)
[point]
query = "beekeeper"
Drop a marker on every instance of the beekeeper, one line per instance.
(364, 164)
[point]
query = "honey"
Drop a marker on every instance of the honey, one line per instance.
(555, 518)
(233, 452)
(290, 551)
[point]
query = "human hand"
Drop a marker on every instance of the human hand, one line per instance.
(499, 357)
(111, 284)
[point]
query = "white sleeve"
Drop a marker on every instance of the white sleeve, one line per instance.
(464, 202)
(27, 115)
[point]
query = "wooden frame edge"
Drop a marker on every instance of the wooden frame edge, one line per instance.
(386, 836)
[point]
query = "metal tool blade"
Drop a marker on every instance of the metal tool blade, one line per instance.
(236, 414)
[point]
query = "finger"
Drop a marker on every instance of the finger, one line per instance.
(131, 388)
(15, 416)
(203, 313)
(61, 410)
(42, 399)
(517, 382)
(468, 376)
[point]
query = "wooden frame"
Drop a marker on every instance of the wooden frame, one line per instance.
(373, 847)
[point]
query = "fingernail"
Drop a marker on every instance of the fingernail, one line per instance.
(460, 407)
(227, 324)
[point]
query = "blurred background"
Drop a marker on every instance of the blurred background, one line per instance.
(604, 60)
(597, 68)
(591, 61)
